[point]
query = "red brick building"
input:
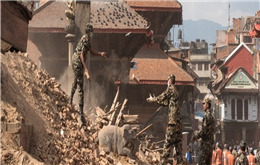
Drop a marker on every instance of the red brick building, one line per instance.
(237, 92)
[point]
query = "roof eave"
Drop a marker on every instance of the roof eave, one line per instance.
(237, 48)
(112, 30)
(46, 30)
(169, 9)
(159, 82)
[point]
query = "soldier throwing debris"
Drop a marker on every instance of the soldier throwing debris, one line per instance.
(206, 134)
(79, 66)
(174, 130)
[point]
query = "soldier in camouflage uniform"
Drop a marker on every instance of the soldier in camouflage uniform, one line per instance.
(174, 130)
(241, 158)
(79, 67)
(206, 134)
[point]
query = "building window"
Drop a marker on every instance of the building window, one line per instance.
(247, 39)
(193, 66)
(206, 66)
(239, 109)
(199, 66)
(233, 109)
(37, 4)
(246, 109)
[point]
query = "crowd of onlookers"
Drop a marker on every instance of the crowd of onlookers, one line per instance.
(227, 154)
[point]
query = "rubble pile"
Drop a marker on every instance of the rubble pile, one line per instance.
(31, 96)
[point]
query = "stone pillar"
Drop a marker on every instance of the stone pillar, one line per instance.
(244, 133)
(184, 142)
(82, 17)
(71, 39)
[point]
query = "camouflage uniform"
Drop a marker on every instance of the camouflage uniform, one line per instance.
(235, 153)
(174, 130)
(207, 135)
(78, 68)
(241, 158)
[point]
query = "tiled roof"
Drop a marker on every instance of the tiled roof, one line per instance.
(155, 65)
(50, 15)
(155, 4)
(104, 15)
(115, 15)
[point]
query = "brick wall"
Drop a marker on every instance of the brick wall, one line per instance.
(236, 25)
(176, 54)
(21, 132)
(221, 52)
(241, 58)
(231, 37)
(224, 51)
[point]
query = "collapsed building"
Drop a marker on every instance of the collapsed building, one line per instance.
(125, 30)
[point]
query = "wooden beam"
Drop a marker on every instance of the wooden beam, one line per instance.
(130, 119)
(139, 133)
(119, 117)
(152, 117)
(112, 117)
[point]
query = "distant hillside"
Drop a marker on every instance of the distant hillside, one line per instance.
(201, 29)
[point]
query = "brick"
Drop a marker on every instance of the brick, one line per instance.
(3, 127)
(14, 127)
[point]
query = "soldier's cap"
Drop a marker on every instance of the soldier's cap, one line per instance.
(230, 148)
(89, 27)
(206, 100)
(171, 77)
(242, 143)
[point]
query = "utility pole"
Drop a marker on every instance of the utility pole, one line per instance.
(228, 17)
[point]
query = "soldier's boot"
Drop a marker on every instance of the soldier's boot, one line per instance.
(82, 118)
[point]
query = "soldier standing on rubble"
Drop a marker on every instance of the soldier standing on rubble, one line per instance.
(174, 130)
(206, 134)
(79, 66)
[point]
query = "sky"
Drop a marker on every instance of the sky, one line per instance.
(217, 10)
